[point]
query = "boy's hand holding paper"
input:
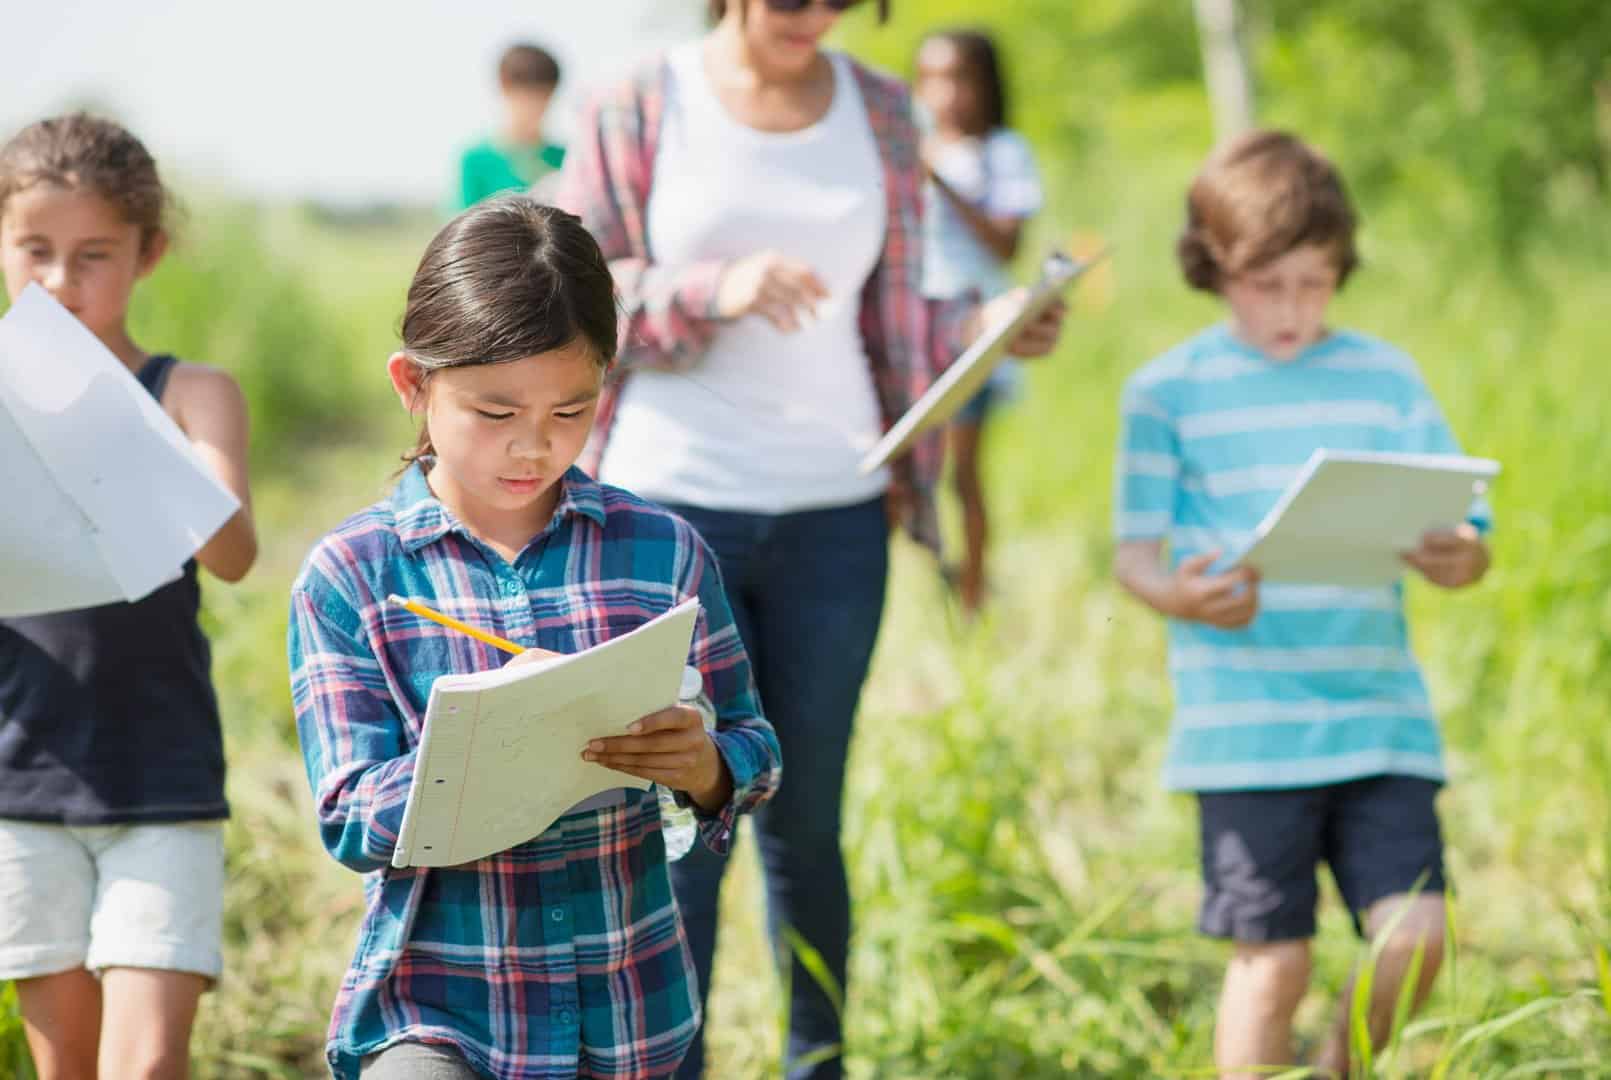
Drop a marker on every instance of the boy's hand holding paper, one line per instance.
(1356, 517)
(1229, 601)
(1452, 558)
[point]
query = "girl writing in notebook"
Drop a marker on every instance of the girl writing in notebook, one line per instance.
(562, 956)
(111, 755)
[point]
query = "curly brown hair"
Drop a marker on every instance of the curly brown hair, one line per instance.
(83, 152)
(1262, 195)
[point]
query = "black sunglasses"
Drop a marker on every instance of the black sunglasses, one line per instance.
(789, 7)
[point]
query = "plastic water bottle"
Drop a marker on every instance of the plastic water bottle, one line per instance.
(677, 822)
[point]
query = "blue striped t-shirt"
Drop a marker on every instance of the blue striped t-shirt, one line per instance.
(1322, 686)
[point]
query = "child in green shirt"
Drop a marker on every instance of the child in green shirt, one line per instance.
(518, 156)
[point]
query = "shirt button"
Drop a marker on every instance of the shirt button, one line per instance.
(558, 915)
(566, 1016)
(511, 586)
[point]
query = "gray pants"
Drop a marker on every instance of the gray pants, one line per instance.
(417, 1061)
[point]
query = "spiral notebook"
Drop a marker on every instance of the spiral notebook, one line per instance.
(499, 759)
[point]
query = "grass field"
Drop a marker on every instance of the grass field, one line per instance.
(1025, 891)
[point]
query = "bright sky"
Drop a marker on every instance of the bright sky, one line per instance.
(344, 100)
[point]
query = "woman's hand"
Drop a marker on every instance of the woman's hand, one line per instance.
(672, 748)
(780, 289)
(1452, 558)
(1037, 338)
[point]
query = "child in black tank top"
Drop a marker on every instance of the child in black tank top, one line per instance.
(111, 756)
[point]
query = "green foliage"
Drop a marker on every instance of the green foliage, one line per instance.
(14, 1060)
(1506, 104)
(1491, 116)
(252, 292)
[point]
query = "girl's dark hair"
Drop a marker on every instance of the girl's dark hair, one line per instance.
(980, 56)
(718, 8)
(84, 152)
(507, 279)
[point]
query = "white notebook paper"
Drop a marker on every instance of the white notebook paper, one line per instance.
(1349, 516)
(500, 756)
(106, 498)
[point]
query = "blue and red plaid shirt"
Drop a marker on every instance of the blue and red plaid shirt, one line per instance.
(563, 956)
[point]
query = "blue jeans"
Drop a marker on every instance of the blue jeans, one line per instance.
(807, 591)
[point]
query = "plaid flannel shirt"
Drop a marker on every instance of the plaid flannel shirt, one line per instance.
(671, 310)
(562, 956)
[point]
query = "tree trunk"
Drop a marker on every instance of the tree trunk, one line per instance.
(1230, 84)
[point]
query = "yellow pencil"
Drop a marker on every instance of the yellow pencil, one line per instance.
(454, 624)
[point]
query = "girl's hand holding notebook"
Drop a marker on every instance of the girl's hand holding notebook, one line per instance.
(672, 748)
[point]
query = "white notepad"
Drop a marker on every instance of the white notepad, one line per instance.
(1350, 515)
(500, 760)
(106, 498)
(957, 385)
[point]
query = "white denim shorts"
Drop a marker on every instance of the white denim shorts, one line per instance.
(100, 896)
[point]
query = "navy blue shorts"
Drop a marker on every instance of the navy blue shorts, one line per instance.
(1379, 836)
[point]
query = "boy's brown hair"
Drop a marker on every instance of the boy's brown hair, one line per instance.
(528, 67)
(1260, 196)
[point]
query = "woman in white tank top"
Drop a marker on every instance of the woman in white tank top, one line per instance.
(759, 200)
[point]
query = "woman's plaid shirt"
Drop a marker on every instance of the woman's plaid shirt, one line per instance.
(671, 310)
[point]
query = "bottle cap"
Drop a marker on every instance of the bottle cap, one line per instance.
(693, 684)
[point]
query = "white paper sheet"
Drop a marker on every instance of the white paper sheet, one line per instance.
(500, 757)
(1349, 516)
(107, 496)
(959, 382)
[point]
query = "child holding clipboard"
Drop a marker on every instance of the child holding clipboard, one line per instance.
(982, 189)
(111, 752)
(562, 956)
(1302, 722)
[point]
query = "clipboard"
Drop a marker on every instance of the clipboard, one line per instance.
(959, 382)
(499, 759)
(1349, 515)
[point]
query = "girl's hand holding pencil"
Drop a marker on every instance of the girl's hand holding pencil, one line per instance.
(451, 623)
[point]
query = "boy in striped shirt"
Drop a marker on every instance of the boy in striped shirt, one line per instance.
(1302, 721)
